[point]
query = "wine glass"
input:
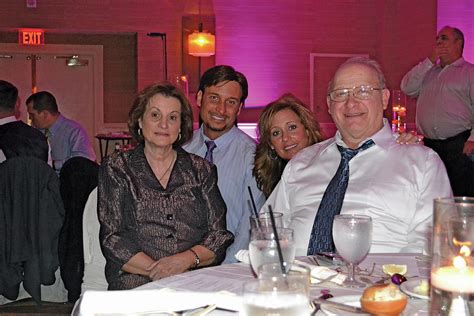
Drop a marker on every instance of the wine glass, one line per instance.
(352, 235)
(263, 247)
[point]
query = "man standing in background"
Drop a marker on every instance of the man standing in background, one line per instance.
(444, 85)
(66, 137)
(222, 93)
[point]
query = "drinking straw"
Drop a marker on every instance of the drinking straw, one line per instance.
(253, 203)
(275, 232)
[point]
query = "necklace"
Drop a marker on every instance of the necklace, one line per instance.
(167, 169)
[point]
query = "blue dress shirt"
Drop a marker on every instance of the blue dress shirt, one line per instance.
(234, 158)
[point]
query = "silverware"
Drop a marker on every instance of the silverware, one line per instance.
(340, 306)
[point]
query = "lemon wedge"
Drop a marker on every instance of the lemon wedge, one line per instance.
(391, 269)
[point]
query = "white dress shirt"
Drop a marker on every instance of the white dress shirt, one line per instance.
(445, 105)
(394, 184)
(6, 120)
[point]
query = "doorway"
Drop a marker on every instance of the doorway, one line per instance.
(76, 83)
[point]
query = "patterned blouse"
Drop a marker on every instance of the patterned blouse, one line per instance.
(137, 214)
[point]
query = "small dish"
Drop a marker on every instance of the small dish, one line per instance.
(410, 288)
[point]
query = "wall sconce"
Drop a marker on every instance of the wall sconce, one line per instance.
(201, 44)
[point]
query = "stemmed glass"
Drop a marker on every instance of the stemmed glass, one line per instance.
(352, 235)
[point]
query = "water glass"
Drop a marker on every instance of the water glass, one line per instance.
(294, 270)
(452, 264)
(264, 220)
(352, 235)
(263, 246)
(282, 296)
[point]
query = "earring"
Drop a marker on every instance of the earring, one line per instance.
(139, 131)
(179, 136)
(272, 154)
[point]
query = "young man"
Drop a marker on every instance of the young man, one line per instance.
(221, 96)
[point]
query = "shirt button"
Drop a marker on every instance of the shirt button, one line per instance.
(169, 217)
(169, 236)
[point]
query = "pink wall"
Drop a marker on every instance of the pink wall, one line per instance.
(460, 14)
(270, 41)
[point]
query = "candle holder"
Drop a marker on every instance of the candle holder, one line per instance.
(399, 111)
(452, 267)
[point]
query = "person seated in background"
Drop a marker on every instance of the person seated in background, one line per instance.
(66, 137)
(361, 170)
(17, 138)
(160, 210)
(285, 127)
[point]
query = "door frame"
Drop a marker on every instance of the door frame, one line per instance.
(97, 68)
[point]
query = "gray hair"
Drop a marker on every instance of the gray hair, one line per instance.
(361, 60)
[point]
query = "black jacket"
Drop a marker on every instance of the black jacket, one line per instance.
(31, 213)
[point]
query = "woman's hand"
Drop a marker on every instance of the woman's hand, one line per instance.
(410, 138)
(171, 265)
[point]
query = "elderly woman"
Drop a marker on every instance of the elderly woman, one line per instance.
(285, 127)
(160, 210)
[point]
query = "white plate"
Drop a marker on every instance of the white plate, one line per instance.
(408, 287)
(352, 300)
(414, 306)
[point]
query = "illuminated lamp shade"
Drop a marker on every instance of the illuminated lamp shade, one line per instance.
(201, 44)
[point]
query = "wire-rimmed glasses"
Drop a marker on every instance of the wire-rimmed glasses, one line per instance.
(363, 92)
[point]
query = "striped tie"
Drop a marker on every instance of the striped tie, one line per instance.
(210, 148)
(331, 203)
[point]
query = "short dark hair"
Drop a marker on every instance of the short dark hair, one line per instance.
(43, 101)
(223, 73)
(8, 96)
(141, 101)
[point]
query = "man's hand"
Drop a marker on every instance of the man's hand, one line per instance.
(468, 148)
(410, 138)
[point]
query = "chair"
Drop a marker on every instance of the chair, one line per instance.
(32, 214)
(78, 177)
(94, 260)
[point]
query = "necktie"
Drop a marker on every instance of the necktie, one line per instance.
(210, 148)
(47, 133)
(331, 203)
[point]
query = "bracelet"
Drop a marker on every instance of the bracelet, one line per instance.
(197, 260)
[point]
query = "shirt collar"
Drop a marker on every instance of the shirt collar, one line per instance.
(56, 125)
(223, 140)
(383, 138)
(457, 63)
(8, 119)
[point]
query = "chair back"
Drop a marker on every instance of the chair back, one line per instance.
(78, 178)
(94, 260)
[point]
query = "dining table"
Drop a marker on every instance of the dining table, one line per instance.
(224, 284)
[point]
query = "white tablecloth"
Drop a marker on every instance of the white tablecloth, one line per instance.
(230, 278)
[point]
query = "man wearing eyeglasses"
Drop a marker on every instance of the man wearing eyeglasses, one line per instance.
(221, 96)
(361, 170)
(444, 86)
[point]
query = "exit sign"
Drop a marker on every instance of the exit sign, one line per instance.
(31, 37)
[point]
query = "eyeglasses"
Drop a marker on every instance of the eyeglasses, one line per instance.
(361, 93)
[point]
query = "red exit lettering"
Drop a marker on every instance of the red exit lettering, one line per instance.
(31, 37)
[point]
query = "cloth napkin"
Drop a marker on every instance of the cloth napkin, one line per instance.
(141, 301)
(319, 274)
